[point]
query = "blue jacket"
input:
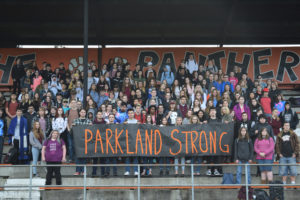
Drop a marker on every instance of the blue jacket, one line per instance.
(168, 75)
(223, 86)
(102, 99)
(121, 117)
(217, 85)
(95, 96)
(1, 127)
(23, 145)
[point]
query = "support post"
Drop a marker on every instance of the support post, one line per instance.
(85, 51)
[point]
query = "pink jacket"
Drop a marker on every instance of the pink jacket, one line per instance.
(265, 146)
(36, 82)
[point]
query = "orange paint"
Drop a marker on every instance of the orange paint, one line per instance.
(148, 142)
(220, 143)
(108, 144)
(98, 138)
(157, 132)
(213, 141)
(86, 131)
(193, 147)
(117, 144)
(138, 139)
(127, 143)
(200, 144)
(186, 141)
(177, 140)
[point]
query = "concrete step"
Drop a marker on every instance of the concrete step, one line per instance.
(69, 170)
(200, 194)
(146, 194)
(35, 195)
(23, 182)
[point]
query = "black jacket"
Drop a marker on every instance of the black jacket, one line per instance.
(259, 126)
(18, 71)
(243, 150)
(289, 116)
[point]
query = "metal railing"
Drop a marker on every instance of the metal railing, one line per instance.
(138, 186)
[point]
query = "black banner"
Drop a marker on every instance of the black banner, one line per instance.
(125, 140)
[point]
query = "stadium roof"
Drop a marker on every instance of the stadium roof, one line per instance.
(150, 22)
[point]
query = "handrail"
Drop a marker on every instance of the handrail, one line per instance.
(140, 186)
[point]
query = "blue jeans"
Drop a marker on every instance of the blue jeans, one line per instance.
(70, 146)
(111, 160)
(284, 170)
(265, 167)
(239, 173)
(164, 160)
(134, 161)
(197, 160)
(35, 156)
(80, 161)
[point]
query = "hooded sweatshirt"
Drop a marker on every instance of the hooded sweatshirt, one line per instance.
(168, 75)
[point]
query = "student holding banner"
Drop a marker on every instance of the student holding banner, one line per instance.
(196, 159)
(82, 120)
(134, 160)
(98, 120)
(164, 160)
(111, 160)
(217, 171)
(182, 159)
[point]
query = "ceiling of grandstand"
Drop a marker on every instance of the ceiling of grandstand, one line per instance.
(150, 22)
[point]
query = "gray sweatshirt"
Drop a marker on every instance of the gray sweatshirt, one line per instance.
(35, 142)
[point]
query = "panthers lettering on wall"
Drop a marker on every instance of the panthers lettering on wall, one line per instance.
(281, 64)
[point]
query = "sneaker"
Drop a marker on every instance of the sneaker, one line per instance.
(126, 173)
(208, 172)
(136, 173)
(76, 174)
(216, 173)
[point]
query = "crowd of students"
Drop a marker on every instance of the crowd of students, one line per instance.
(46, 103)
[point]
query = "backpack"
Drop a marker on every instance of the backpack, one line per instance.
(242, 193)
(228, 178)
(276, 192)
(12, 156)
(260, 194)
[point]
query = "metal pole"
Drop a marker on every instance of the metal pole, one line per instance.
(30, 182)
(84, 182)
(192, 175)
(246, 179)
(139, 182)
(85, 51)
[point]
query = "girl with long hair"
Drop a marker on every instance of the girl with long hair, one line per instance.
(60, 123)
(243, 153)
(36, 139)
(264, 148)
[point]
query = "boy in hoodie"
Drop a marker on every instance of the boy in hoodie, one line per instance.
(167, 75)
